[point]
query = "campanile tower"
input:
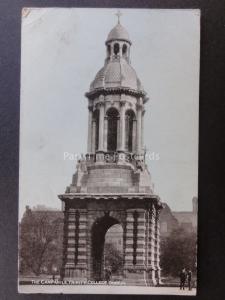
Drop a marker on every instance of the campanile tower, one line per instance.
(113, 184)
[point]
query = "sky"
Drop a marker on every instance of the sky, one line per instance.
(61, 51)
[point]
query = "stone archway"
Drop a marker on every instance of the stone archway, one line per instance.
(85, 227)
(98, 232)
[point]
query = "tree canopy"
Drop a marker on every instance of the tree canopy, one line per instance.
(178, 251)
(40, 242)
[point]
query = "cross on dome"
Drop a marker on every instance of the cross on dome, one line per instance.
(118, 14)
(118, 32)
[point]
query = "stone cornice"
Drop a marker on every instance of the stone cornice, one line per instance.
(118, 39)
(117, 196)
(116, 90)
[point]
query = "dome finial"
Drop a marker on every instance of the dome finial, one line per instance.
(118, 14)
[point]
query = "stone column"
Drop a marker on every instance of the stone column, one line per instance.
(134, 136)
(135, 262)
(142, 130)
(118, 133)
(93, 136)
(105, 133)
(112, 51)
(82, 244)
(65, 243)
(101, 124)
(122, 127)
(89, 143)
(157, 248)
(128, 256)
(139, 127)
(140, 251)
(69, 257)
(151, 248)
(90, 220)
(74, 256)
(121, 51)
(128, 53)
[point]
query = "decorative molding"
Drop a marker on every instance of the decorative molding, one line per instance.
(123, 102)
(116, 90)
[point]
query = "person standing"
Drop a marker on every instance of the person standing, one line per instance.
(107, 275)
(189, 279)
(183, 276)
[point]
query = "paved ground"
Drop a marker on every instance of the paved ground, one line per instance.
(104, 289)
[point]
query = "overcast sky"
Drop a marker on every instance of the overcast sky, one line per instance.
(62, 50)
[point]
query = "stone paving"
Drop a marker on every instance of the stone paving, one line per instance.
(105, 289)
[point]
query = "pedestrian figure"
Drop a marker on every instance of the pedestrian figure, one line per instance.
(107, 275)
(189, 279)
(183, 276)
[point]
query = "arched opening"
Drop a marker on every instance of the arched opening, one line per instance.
(124, 50)
(113, 252)
(112, 115)
(108, 50)
(104, 255)
(116, 48)
(96, 127)
(129, 123)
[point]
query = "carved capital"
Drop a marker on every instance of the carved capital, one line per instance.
(101, 98)
(122, 103)
(139, 106)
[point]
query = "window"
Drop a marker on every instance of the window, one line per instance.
(164, 227)
(112, 115)
(129, 119)
(124, 50)
(96, 120)
(116, 48)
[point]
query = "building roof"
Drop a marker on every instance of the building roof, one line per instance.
(118, 33)
(186, 217)
(117, 73)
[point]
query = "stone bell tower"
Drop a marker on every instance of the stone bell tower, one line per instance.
(112, 185)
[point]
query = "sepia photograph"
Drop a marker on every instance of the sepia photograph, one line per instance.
(108, 156)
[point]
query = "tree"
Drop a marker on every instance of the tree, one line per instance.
(40, 245)
(178, 251)
(113, 258)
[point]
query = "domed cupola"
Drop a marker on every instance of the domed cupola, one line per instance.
(117, 74)
(118, 33)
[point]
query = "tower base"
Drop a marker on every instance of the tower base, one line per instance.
(86, 221)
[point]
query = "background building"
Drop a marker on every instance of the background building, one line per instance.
(170, 220)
